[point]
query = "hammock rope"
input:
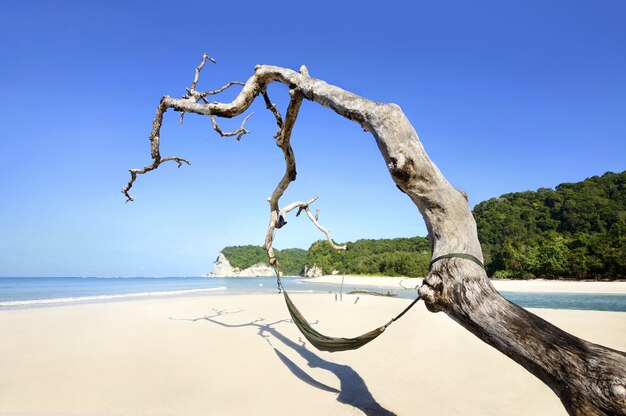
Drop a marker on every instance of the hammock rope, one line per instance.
(332, 344)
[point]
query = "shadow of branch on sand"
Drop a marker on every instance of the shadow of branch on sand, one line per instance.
(352, 391)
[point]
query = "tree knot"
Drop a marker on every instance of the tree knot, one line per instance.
(402, 172)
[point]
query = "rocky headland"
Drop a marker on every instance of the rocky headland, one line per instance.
(223, 268)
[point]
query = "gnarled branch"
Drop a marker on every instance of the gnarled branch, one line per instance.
(272, 107)
(589, 379)
(217, 91)
(314, 220)
(156, 163)
(239, 132)
(191, 92)
(277, 216)
(278, 221)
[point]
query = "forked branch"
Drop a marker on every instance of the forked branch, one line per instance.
(192, 96)
(272, 107)
(191, 92)
(155, 164)
(239, 132)
(280, 221)
(277, 215)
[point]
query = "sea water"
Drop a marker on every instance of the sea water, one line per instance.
(28, 292)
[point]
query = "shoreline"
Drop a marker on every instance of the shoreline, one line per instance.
(530, 286)
(328, 283)
(200, 354)
(322, 285)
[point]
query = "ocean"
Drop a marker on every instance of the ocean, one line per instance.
(30, 292)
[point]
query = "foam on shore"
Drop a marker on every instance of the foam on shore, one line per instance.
(98, 298)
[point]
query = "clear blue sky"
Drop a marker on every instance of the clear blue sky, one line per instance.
(506, 96)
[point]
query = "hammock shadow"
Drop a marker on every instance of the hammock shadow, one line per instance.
(352, 391)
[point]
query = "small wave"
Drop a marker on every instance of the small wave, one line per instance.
(131, 277)
(56, 301)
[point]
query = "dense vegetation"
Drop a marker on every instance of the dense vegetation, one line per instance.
(390, 257)
(386, 257)
(291, 259)
(577, 230)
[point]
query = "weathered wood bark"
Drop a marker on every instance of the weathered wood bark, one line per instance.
(589, 379)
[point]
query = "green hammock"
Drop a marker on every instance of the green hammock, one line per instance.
(332, 344)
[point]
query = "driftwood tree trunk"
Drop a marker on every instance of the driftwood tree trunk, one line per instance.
(589, 379)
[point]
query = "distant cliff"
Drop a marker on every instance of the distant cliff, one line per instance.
(250, 260)
(223, 268)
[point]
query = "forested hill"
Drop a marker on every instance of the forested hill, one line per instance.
(291, 259)
(384, 257)
(577, 230)
(388, 257)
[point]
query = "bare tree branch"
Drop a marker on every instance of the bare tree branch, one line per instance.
(199, 68)
(239, 132)
(192, 97)
(217, 91)
(191, 92)
(146, 169)
(349, 105)
(284, 137)
(282, 213)
(272, 107)
(277, 216)
(324, 230)
(304, 206)
(284, 142)
(201, 96)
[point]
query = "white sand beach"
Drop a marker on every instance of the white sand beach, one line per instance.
(239, 355)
